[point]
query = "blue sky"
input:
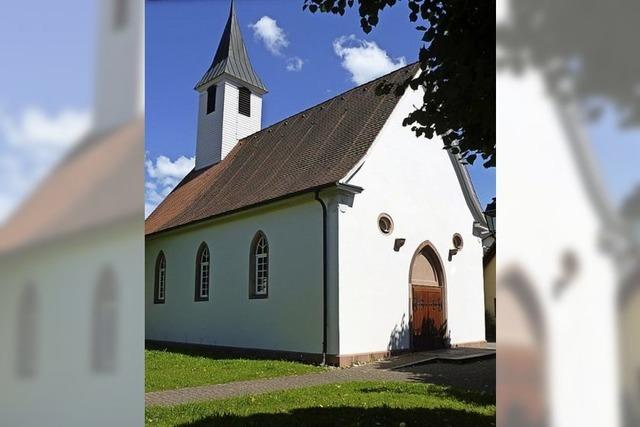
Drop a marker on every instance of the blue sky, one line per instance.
(48, 56)
(46, 89)
(47, 81)
(181, 39)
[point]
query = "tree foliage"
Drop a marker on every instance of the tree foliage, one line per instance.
(586, 51)
(457, 61)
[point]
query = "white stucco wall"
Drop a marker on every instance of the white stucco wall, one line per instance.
(290, 319)
(65, 275)
(546, 213)
(412, 180)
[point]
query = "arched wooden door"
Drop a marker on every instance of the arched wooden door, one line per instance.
(428, 311)
(521, 377)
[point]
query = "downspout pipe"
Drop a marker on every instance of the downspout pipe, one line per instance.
(325, 276)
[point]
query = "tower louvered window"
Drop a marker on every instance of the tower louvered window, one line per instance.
(244, 102)
(211, 99)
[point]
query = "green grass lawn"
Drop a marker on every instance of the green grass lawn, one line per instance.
(165, 370)
(348, 404)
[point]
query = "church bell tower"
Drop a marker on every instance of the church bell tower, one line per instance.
(119, 96)
(230, 98)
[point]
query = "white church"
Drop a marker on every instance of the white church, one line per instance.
(335, 235)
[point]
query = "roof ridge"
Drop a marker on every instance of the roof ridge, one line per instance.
(333, 98)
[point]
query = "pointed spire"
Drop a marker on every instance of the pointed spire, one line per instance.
(231, 57)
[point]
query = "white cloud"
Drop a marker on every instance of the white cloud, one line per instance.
(365, 60)
(31, 144)
(162, 177)
(294, 64)
(36, 128)
(165, 168)
(273, 37)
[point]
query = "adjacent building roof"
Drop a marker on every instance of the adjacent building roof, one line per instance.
(310, 150)
(231, 57)
(489, 254)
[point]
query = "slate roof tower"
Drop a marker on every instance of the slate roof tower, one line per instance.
(230, 98)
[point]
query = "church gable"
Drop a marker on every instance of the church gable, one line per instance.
(310, 150)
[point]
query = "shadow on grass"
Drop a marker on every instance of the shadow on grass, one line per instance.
(197, 352)
(227, 353)
(461, 395)
(350, 416)
(477, 376)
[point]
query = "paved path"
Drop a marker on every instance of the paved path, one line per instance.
(477, 372)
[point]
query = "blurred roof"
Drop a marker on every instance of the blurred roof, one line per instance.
(91, 187)
(307, 151)
(231, 57)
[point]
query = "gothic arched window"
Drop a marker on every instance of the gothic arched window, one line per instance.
(259, 267)
(160, 283)
(104, 337)
(203, 273)
(28, 332)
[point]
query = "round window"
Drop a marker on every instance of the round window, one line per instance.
(458, 243)
(385, 223)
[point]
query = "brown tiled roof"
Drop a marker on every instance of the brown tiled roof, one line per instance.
(309, 150)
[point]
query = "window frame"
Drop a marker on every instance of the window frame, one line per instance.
(199, 295)
(458, 241)
(160, 279)
(385, 217)
(246, 93)
(259, 267)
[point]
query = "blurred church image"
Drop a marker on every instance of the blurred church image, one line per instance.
(71, 318)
